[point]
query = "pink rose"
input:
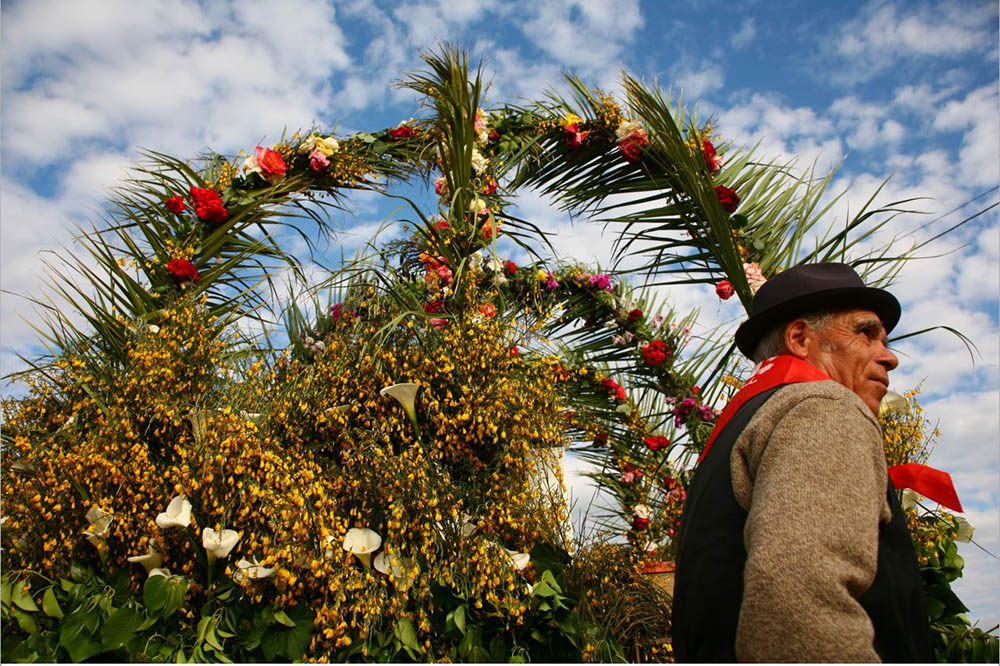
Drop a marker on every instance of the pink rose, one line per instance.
(441, 186)
(755, 278)
(318, 161)
(574, 137)
(438, 323)
(724, 290)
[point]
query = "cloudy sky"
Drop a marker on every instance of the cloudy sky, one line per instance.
(883, 88)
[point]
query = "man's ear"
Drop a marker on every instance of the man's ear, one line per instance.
(797, 337)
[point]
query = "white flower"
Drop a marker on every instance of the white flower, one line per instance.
(218, 544)
(476, 259)
(643, 511)
(627, 129)
(100, 523)
(151, 561)
(477, 206)
(362, 542)
(178, 514)
(159, 572)
(494, 264)
(406, 394)
(755, 278)
(910, 498)
(892, 402)
(965, 530)
(400, 566)
(328, 552)
(479, 162)
(251, 570)
(520, 560)
(153, 328)
(250, 165)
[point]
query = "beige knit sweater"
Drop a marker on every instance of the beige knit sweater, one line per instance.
(810, 471)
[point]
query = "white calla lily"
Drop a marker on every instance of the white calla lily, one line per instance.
(100, 524)
(178, 514)
(406, 394)
(520, 560)
(159, 572)
(252, 570)
(965, 530)
(893, 402)
(362, 542)
(910, 498)
(395, 566)
(218, 544)
(150, 561)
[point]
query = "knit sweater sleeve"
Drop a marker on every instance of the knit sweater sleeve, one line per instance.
(810, 471)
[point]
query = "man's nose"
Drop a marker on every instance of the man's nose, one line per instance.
(888, 359)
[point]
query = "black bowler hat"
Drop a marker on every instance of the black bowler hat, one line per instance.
(809, 288)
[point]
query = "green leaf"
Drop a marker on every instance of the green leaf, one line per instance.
(50, 605)
(22, 598)
(119, 627)
(154, 592)
(213, 642)
(282, 618)
(738, 221)
(25, 621)
(934, 608)
(83, 648)
(5, 593)
(460, 618)
(407, 635)
(176, 591)
(66, 585)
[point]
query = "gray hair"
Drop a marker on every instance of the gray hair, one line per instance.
(773, 342)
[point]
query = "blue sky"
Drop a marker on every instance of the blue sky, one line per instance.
(907, 89)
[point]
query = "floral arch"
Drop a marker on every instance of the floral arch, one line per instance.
(386, 487)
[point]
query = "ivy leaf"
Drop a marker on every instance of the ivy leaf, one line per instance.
(282, 618)
(407, 635)
(154, 592)
(460, 618)
(50, 605)
(22, 598)
(119, 627)
(25, 621)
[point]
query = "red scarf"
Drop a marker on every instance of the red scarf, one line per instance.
(785, 369)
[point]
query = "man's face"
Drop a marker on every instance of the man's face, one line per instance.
(853, 352)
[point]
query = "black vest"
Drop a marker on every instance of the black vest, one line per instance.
(711, 556)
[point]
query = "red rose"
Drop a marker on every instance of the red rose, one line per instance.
(560, 373)
(175, 204)
(655, 353)
(728, 198)
(272, 165)
(514, 351)
(486, 231)
(712, 161)
(434, 307)
(208, 205)
(437, 323)
(182, 270)
(634, 315)
(632, 145)
(490, 189)
(656, 442)
(401, 132)
(615, 389)
(493, 136)
(724, 290)
(639, 524)
(671, 484)
(574, 137)
(509, 267)
(601, 439)
(488, 309)
(441, 224)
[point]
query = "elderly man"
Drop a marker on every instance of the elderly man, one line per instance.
(793, 546)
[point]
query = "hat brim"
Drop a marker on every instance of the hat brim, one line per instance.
(879, 301)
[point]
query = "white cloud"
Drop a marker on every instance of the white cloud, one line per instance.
(699, 81)
(977, 115)
(884, 33)
(745, 35)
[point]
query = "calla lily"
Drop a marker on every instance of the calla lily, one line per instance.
(399, 566)
(910, 498)
(252, 570)
(406, 394)
(341, 409)
(362, 542)
(151, 561)
(520, 560)
(965, 530)
(159, 572)
(178, 514)
(100, 523)
(329, 552)
(218, 544)
(892, 402)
